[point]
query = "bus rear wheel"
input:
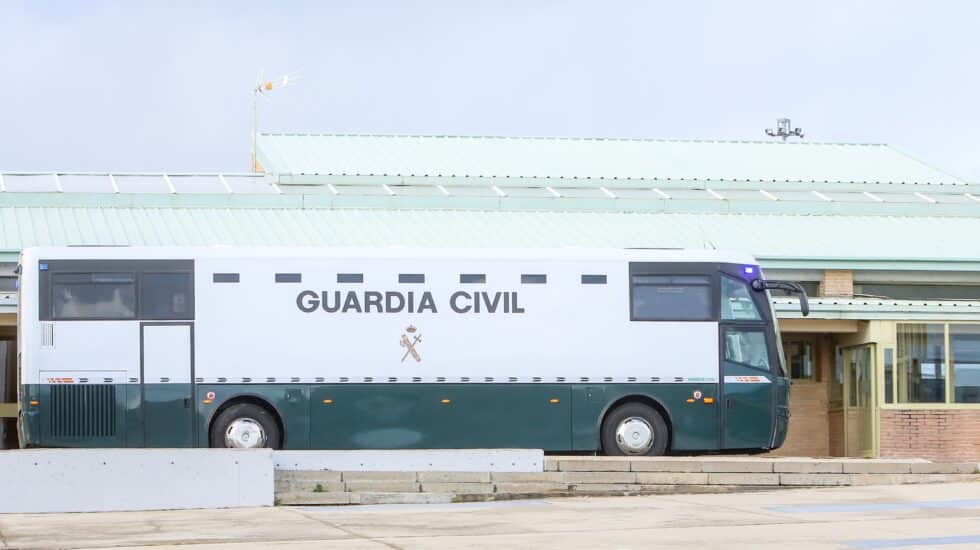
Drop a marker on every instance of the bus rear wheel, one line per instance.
(634, 429)
(245, 426)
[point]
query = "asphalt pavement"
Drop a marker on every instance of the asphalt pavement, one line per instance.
(920, 516)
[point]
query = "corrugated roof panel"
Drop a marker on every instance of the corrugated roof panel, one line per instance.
(772, 237)
(503, 157)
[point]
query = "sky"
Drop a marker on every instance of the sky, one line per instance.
(132, 86)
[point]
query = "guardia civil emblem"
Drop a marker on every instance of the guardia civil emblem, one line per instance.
(410, 340)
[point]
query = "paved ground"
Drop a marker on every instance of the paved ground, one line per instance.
(930, 516)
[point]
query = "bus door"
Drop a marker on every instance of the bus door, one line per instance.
(748, 366)
(167, 389)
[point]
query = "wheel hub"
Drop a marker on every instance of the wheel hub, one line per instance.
(634, 435)
(245, 433)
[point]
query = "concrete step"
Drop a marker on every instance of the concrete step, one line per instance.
(594, 476)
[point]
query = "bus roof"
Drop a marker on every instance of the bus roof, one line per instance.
(569, 253)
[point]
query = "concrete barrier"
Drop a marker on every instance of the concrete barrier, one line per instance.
(97, 480)
(583, 475)
(438, 460)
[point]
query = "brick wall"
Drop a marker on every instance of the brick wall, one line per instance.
(807, 434)
(934, 434)
(837, 283)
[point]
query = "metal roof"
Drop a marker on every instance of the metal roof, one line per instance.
(311, 191)
(779, 241)
(590, 158)
(867, 309)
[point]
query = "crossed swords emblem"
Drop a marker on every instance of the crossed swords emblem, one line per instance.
(410, 344)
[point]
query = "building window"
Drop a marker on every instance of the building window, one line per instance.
(799, 357)
(964, 360)
(889, 375)
(671, 298)
(921, 363)
(94, 296)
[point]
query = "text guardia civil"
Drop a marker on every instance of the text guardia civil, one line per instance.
(370, 301)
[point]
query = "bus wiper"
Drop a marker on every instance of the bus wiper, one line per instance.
(788, 286)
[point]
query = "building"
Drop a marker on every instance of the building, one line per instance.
(888, 363)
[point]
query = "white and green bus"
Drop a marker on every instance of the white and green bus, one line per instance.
(637, 352)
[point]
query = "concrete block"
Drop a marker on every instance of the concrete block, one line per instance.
(413, 460)
(528, 477)
(103, 480)
(531, 488)
(456, 477)
(743, 479)
(599, 477)
(551, 464)
(897, 479)
(458, 488)
(401, 498)
(746, 466)
(289, 486)
(605, 488)
(671, 478)
(663, 465)
(308, 475)
(813, 480)
(876, 467)
(382, 486)
(945, 468)
(312, 499)
(688, 489)
(808, 467)
(380, 476)
(594, 464)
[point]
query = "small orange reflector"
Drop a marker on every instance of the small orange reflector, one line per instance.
(327, 401)
(445, 401)
(34, 403)
(690, 400)
(553, 400)
(709, 400)
(207, 401)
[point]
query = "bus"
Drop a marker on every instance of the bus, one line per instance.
(624, 352)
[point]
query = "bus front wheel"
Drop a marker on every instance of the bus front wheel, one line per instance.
(245, 426)
(634, 429)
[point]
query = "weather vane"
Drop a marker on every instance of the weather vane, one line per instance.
(783, 130)
(262, 87)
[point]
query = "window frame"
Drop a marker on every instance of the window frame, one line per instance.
(138, 268)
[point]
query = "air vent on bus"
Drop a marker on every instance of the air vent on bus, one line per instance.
(83, 411)
(47, 335)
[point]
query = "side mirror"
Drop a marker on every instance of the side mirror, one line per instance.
(788, 286)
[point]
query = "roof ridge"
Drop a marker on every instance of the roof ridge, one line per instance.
(565, 138)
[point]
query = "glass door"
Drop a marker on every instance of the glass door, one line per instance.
(859, 402)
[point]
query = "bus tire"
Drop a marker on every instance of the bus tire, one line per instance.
(245, 426)
(634, 429)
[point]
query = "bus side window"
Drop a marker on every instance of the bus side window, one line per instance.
(76, 296)
(747, 347)
(166, 296)
(671, 298)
